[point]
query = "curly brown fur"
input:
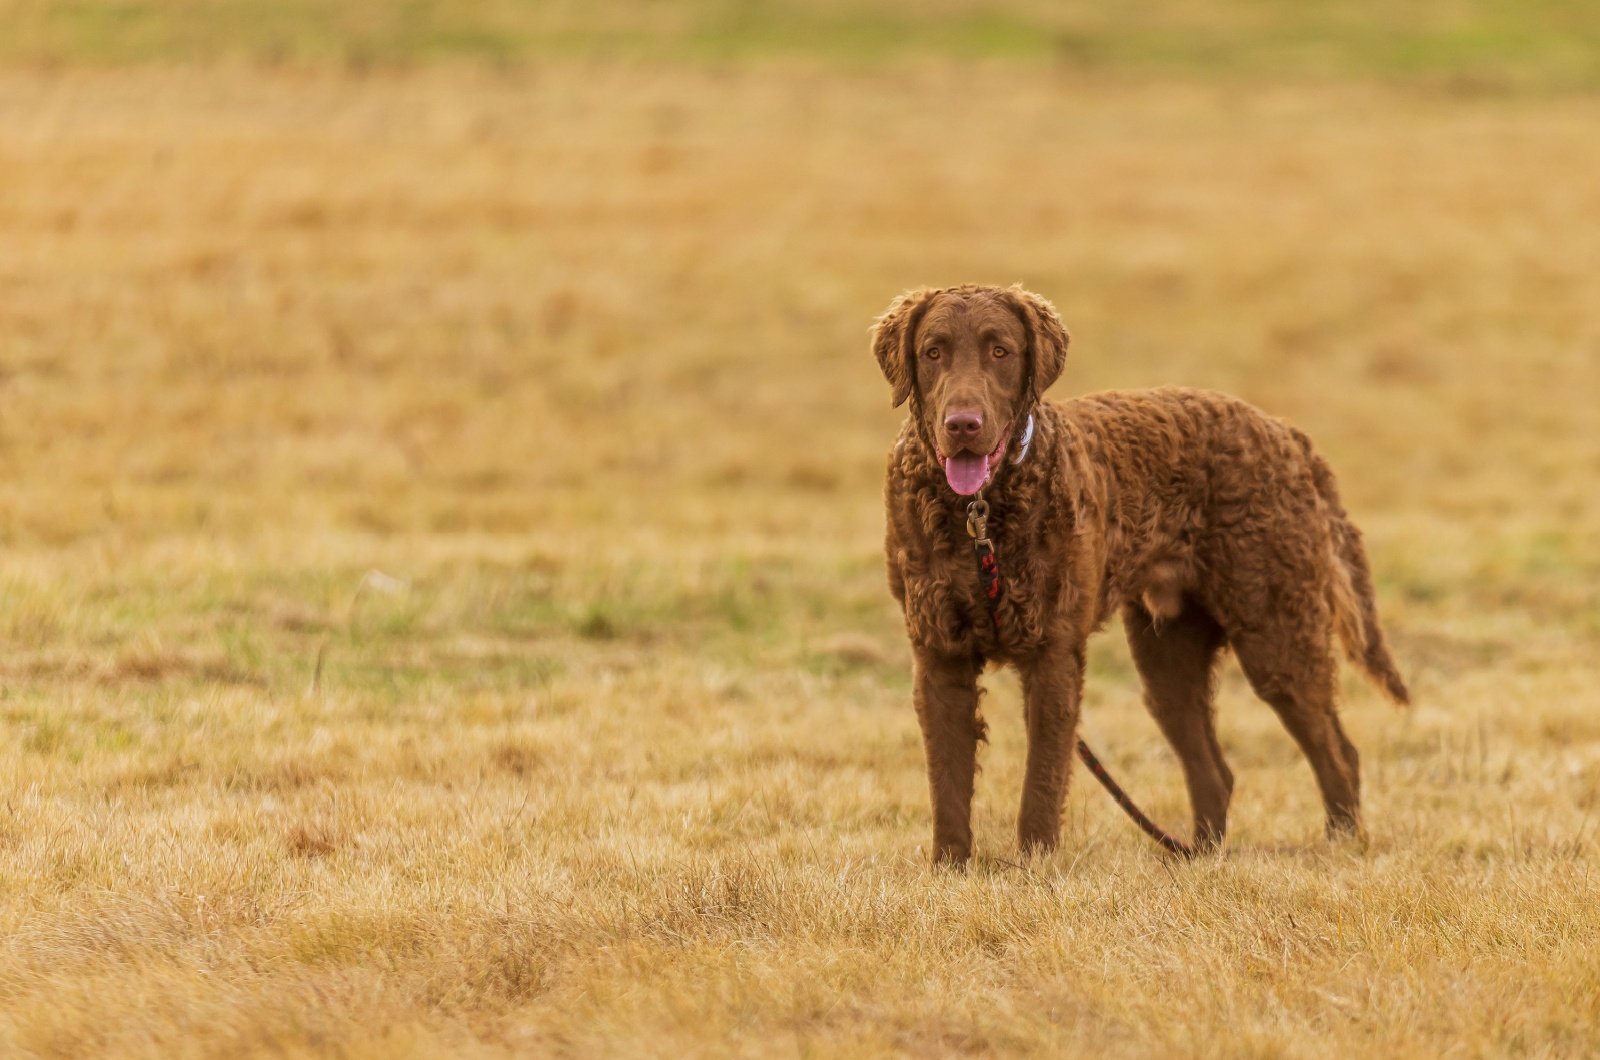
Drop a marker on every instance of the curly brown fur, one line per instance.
(1206, 523)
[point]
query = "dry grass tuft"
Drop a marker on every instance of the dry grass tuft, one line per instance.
(313, 839)
(518, 758)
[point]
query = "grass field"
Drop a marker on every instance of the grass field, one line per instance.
(441, 609)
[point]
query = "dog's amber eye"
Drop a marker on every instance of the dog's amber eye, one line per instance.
(999, 351)
(932, 353)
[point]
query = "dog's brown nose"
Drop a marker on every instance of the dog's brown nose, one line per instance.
(963, 423)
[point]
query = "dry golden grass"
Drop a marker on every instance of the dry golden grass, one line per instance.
(614, 754)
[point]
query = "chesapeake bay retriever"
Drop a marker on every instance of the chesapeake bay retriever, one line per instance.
(1207, 523)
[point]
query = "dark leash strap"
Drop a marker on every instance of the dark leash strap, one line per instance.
(1129, 807)
(989, 579)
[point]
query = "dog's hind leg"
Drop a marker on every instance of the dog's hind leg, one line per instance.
(1177, 662)
(1291, 666)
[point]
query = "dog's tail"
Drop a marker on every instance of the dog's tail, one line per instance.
(1354, 608)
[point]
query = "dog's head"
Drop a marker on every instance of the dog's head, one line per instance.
(974, 360)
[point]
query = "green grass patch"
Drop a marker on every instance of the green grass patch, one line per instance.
(1471, 44)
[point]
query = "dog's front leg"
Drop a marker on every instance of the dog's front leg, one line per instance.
(947, 707)
(1052, 682)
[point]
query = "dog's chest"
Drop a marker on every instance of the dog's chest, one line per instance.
(947, 608)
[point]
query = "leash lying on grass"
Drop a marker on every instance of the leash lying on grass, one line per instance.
(989, 577)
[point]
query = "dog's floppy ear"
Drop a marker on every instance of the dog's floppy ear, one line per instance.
(892, 335)
(1047, 340)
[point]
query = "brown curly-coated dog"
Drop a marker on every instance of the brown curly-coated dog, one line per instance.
(1207, 523)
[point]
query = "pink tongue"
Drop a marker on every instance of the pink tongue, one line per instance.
(966, 472)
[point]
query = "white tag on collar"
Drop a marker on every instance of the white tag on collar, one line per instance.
(1027, 440)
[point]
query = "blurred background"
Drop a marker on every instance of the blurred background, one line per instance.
(1485, 44)
(339, 271)
(583, 289)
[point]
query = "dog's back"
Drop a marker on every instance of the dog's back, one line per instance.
(1206, 495)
